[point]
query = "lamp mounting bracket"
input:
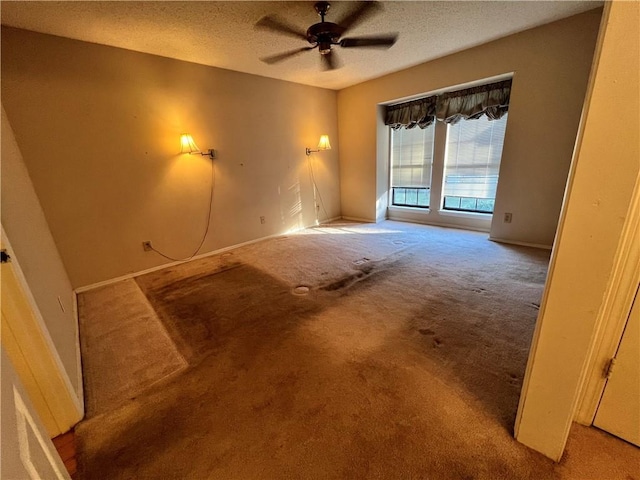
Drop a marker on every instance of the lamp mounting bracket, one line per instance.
(209, 153)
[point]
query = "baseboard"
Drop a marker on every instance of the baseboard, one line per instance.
(437, 224)
(522, 244)
(128, 276)
(80, 379)
(329, 220)
(357, 219)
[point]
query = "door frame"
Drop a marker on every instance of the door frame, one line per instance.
(598, 216)
(35, 356)
(613, 312)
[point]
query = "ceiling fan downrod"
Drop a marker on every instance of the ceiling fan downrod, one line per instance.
(322, 8)
(324, 34)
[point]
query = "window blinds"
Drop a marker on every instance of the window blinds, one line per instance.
(473, 153)
(411, 157)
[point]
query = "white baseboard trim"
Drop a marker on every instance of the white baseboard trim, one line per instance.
(436, 224)
(522, 244)
(329, 220)
(80, 380)
(357, 219)
(128, 276)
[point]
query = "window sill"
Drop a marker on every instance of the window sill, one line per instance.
(409, 209)
(455, 213)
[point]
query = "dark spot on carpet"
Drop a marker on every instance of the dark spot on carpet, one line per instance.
(343, 282)
(200, 312)
(426, 331)
(484, 348)
(365, 273)
(367, 268)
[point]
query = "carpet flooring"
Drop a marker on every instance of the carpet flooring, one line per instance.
(344, 351)
(125, 347)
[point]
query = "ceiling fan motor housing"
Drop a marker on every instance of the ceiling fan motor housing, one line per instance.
(324, 34)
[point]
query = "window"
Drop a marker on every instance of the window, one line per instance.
(472, 163)
(411, 161)
(469, 127)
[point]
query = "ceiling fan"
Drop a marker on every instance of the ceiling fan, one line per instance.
(325, 34)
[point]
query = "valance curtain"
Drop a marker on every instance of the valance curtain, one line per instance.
(417, 112)
(491, 100)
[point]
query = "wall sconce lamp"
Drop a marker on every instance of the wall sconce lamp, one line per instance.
(187, 145)
(323, 144)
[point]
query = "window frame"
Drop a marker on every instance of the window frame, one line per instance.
(443, 197)
(391, 189)
(436, 191)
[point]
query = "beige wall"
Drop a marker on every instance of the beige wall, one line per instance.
(99, 128)
(24, 223)
(605, 168)
(550, 64)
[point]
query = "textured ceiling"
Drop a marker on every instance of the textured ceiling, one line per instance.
(222, 34)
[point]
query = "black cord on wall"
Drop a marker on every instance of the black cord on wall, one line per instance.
(315, 186)
(206, 232)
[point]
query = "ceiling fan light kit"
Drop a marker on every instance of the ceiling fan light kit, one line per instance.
(324, 35)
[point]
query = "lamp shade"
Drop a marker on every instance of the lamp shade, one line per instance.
(324, 144)
(187, 145)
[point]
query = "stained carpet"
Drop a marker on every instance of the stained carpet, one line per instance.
(347, 351)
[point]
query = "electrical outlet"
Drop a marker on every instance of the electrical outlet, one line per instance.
(262, 220)
(508, 217)
(146, 246)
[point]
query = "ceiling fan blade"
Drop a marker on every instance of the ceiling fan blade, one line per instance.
(383, 41)
(271, 22)
(330, 61)
(360, 13)
(284, 56)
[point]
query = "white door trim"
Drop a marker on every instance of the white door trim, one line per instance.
(63, 379)
(613, 312)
